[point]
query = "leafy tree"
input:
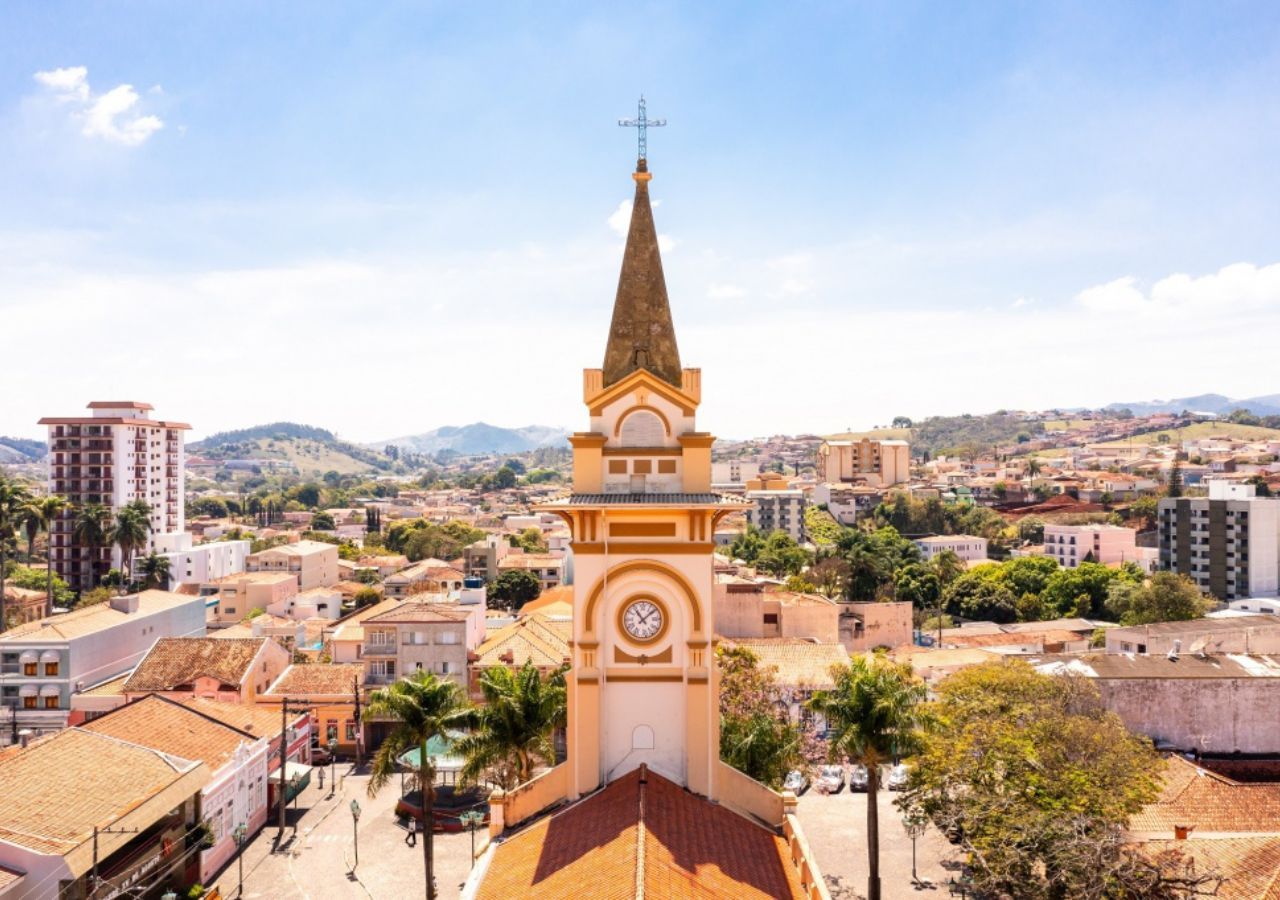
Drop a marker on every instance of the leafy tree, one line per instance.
(1035, 780)
(821, 527)
(131, 529)
(208, 506)
(829, 575)
(90, 530)
(307, 494)
(366, 596)
(531, 541)
(13, 497)
(1167, 597)
(1034, 466)
(512, 589)
(901, 422)
(1028, 574)
(747, 546)
(48, 510)
(1243, 417)
(918, 584)
(948, 567)
(1081, 591)
(503, 479)
(512, 731)
(323, 521)
(422, 707)
(155, 569)
(781, 555)
(981, 594)
(873, 716)
(756, 737)
(57, 591)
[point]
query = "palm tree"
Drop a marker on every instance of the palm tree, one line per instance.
(90, 530)
(156, 569)
(873, 715)
(424, 707)
(46, 511)
(130, 531)
(13, 497)
(513, 729)
(1033, 467)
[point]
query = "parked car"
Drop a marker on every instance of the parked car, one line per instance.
(858, 778)
(320, 756)
(831, 779)
(897, 777)
(796, 782)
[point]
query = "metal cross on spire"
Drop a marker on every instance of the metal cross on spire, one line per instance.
(642, 123)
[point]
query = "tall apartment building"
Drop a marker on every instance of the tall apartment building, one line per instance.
(733, 471)
(778, 510)
(878, 463)
(1228, 542)
(113, 456)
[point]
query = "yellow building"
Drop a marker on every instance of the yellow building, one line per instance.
(643, 697)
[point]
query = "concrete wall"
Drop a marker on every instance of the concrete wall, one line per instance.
(1213, 715)
(507, 810)
(882, 625)
(745, 795)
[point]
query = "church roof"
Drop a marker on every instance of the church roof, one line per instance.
(706, 499)
(642, 836)
(642, 335)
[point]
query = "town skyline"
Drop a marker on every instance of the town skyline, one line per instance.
(900, 197)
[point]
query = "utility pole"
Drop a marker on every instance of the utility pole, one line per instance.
(97, 831)
(359, 731)
(285, 709)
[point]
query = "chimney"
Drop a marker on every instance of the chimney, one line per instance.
(24, 737)
(1180, 832)
(126, 604)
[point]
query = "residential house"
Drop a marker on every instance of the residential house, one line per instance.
(481, 558)
(412, 637)
(201, 563)
(872, 625)
(536, 637)
(60, 790)
(313, 563)
(546, 567)
(1071, 545)
(44, 662)
(332, 691)
(800, 667)
(232, 598)
(234, 671)
(236, 792)
(1237, 634)
(745, 609)
(22, 605)
(968, 547)
(426, 576)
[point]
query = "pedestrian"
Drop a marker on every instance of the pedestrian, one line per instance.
(412, 837)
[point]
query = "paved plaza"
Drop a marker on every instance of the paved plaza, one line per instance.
(316, 860)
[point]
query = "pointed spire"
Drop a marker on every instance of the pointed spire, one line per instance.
(642, 335)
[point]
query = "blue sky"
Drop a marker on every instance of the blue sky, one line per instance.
(381, 218)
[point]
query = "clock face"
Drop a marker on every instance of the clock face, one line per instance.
(642, 620)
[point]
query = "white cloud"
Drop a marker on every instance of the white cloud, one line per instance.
(621, 218)
(112, 116)
(1021, 302)
(1232, 290)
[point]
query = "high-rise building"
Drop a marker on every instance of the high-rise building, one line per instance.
(114, 456)
(876, 463)
(1228, 542)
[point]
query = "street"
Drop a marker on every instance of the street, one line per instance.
(836, 828)
(316, 860)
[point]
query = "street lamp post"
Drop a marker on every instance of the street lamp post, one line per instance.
(240, 833)
(355, 830)
(471, 818)
(333, 761)
(915, 824)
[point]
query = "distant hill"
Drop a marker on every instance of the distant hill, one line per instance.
(479, 437)
(21, 450)
(956, 434)
(313, 450)
(1219, 404)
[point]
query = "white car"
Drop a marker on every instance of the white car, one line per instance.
(831, 779)
(796, 782)
(897, 780)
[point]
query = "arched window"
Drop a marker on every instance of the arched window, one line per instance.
(642, 429)
(642, 738)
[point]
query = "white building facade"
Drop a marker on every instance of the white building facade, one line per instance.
(114, 456)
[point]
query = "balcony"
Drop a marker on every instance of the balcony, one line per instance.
(379, 649)
(380, 679)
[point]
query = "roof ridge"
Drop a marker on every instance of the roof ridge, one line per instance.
(640, 832)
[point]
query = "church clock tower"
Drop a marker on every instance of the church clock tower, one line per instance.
(643, 687)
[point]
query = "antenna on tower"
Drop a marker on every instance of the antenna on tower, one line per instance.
(642, 124)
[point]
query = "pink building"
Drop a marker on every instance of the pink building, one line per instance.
(1071, 545)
